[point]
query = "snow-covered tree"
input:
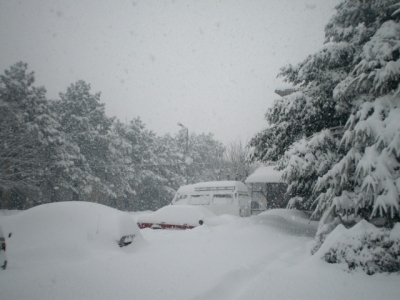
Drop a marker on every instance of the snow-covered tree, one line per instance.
(118, 169)
(237, 161)
(367, 179)
(313, 108)
(155, 164)
(303, 163)
(205, 160)
(295, 118)
(83, 119)
(68, 149)
(162, 163)
(34, 150)
(299, 119)
(18, 156)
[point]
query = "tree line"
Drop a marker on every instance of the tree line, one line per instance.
(67, 149)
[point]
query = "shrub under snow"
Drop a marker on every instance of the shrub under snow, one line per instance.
(324, 230)
(364, 246)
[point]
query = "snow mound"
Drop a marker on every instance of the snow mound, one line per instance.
(8, 212)
(67, 229)
(265, 174)
(289, 220)
(243, 259)
(364, 246)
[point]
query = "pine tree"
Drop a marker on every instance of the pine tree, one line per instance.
(118, 168)
(83, 119)
(367, 179)
(303, 163)
(34, 150)
(299, 120)
(18, 156)
(206, 157)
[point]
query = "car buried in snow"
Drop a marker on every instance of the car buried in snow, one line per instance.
(74, 227)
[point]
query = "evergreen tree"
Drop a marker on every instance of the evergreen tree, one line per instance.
(151, 157)
(300, 121)
(205, 158)
(68, 149)
(305, 161)
(83, 119)
(118, 169)
(34, 150)
(18, 156)
(367, 179)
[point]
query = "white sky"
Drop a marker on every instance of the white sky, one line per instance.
(210, 65)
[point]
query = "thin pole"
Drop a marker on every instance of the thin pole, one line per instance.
(187, 155)
(186, 152)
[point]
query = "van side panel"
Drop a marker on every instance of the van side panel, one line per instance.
(224, 209)
(220, 197)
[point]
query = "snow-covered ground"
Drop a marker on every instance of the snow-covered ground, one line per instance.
(69, 251)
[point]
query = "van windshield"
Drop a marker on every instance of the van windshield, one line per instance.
(181, 199)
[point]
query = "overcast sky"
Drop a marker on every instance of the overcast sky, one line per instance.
(210, 65)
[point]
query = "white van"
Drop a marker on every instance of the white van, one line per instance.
(220, 197)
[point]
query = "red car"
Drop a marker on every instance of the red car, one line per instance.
(176, 217)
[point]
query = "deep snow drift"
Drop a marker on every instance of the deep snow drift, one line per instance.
(65, 251)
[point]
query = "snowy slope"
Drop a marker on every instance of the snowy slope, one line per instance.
(246, 258)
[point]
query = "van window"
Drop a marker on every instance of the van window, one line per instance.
(200, 199)
(223, 199)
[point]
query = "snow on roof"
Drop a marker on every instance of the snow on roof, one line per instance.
(265, 174)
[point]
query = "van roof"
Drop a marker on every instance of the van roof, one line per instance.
(214, 186)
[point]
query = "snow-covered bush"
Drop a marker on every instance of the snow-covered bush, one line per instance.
(324, 229)
(364, 246)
